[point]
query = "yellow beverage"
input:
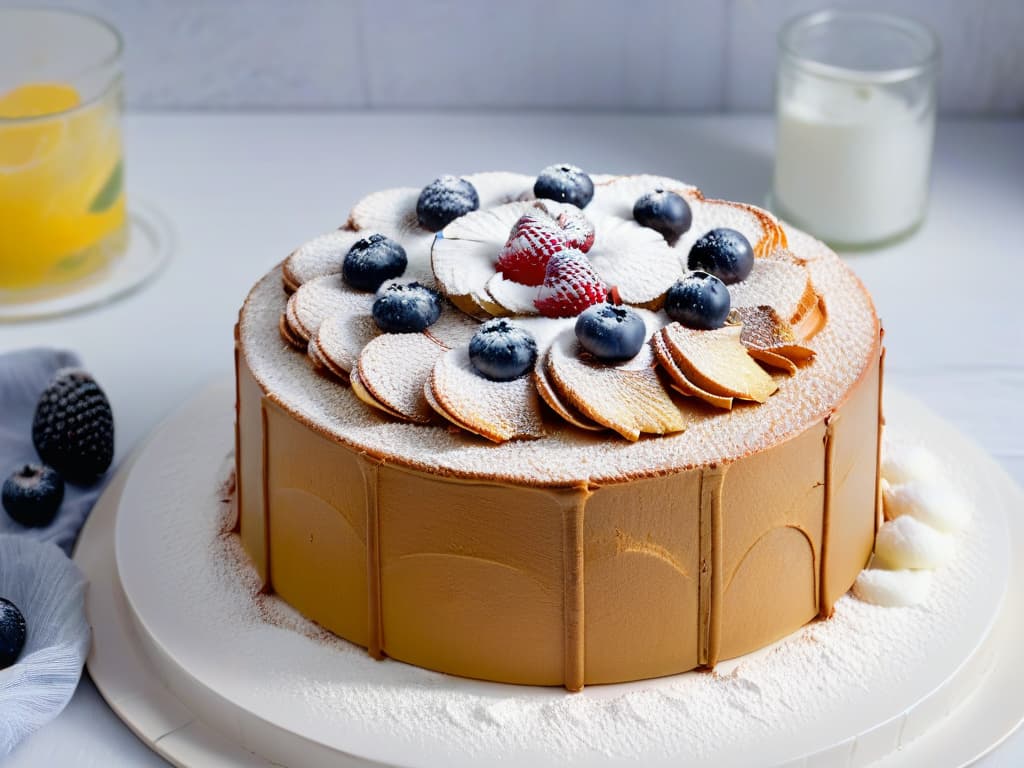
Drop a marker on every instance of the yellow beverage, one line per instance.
(62, 205)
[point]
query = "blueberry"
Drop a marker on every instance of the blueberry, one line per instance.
(443, 200)
(501, 350)
(32, 495)
(725, 253)
(611, 333)
(566, 184)
(665, 212)
(699, 301)
(73, 427)
(406, 308)
(373, 260)
(12, 633)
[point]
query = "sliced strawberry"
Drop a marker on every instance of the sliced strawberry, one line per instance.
(570, 286)
(576, 228)
(533, 240)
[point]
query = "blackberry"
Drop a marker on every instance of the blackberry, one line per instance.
(73, 428)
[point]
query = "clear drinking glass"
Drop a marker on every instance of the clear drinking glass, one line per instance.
(62, 201)
(855, 118)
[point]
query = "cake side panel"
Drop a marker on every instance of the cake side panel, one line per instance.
(317, 526)
(249, 467)
(850, 529)
(473, 577)
(771, 543)
(641, 568)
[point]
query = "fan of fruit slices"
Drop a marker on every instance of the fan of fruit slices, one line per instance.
(506, 306)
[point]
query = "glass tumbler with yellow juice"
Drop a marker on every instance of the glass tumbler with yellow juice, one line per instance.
(62, 202)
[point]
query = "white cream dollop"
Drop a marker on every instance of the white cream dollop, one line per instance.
(906, 542)
(893, 589)
(936, 504)
(903, 463)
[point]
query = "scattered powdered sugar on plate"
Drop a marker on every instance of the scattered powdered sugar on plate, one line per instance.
(283, 662)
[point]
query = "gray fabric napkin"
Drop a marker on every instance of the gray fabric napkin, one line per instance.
(23, 376)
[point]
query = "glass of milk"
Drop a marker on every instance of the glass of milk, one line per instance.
(855, 116)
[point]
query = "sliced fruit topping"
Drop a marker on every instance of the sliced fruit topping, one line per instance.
(443, 200)
(760, 228)
(321, 256)
(680, 383)
(616, 195)
(664, 211)
(566, 184)
(570, 286)
(724, 253)
(611, 333)
(716, 361)
(33, 494)
(497, 410)
(628, 398)
(549, 394)
(342, 336)
(372, 260)
(780, 281)
(764, 331)
(319, 299)
(576, 229)
(392, 369)
(360, 391)
(406, 307)
(464, 255)
(534, 238)
(699, 301)
(512, 298)
(291, 337)
(501, 350)
(13, 632)
(636, 260)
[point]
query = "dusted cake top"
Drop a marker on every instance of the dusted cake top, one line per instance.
(793, 275)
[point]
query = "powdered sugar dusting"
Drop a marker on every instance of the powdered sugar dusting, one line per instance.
(567, 456)
(822, 672)
(320, 298)
(635, 259)
(416, 353)
(778, 281)
(321, 256)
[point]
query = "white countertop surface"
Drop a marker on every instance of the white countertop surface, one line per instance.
(242, 190)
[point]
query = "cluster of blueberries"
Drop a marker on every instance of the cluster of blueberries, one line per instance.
(73, 433)
(502, 350)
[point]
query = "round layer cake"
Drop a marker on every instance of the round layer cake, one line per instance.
(587, 521)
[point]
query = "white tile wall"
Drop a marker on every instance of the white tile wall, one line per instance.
(605, 54)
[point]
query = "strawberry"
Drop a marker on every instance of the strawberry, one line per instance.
(532, 242)
(576, 228)
(570, 285)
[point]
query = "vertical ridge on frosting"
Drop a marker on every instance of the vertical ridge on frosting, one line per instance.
(268, 583)
(374, 607)
(879, 511)
(825, 605)
(573, 589)
(712, 480)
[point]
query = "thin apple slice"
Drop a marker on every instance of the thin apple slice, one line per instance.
(290, 337)
(393, 367)
(765, 331)
(320, 298)
(363, 394)
(453, 328)
(679, 380)
(773, 360)
(717, 362)
(627, 398)
(342, 336)
(321, 256)
(779, 281)
(497, 410)
(514, 298)
(757, 225)
(465, 253)
(562, 407)
(617, 196)
(634, 259)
